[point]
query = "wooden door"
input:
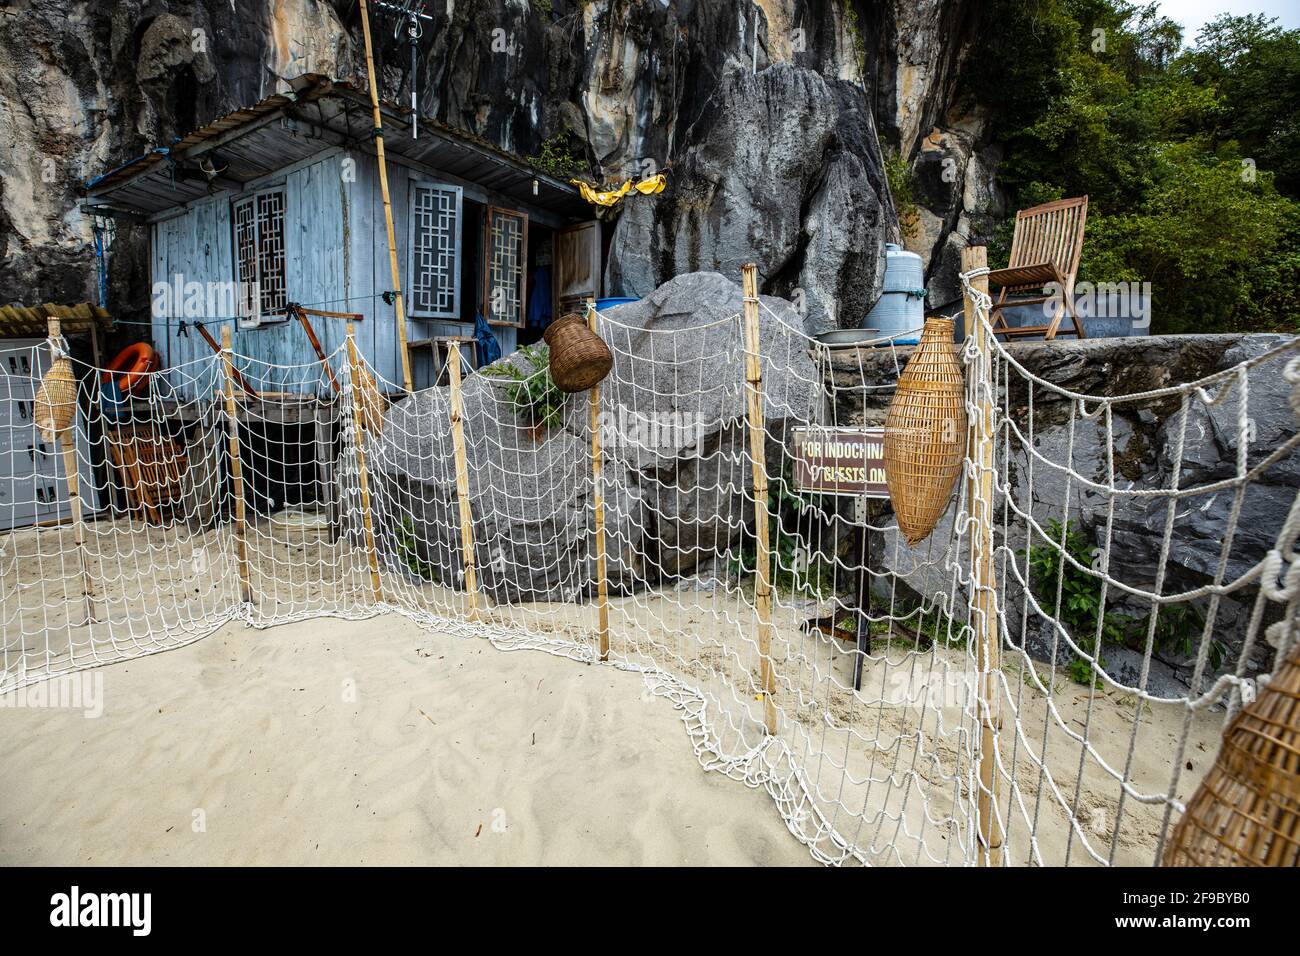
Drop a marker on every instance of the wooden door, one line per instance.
(577, 267)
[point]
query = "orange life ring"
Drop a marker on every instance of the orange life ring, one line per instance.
(138, 362)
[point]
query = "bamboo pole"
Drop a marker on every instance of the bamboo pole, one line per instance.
(67, 439)
(398, 303)
(236, 469)
(462, 478)
(598, 499)
(980, 496)
(757, 454)
(354, 365)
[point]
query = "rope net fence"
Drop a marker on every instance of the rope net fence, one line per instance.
(1005, 710)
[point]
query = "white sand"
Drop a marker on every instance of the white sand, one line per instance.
(251, 727)
(450, 752)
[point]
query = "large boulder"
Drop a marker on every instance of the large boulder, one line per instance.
(784, 171)
(677, 477)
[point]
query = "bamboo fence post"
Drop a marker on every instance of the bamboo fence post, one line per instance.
(980, 496)
(67, 439)
(236, 469)
(462, 479)
(378, 134)
(363, 476)
(757, 445)
(598, 499)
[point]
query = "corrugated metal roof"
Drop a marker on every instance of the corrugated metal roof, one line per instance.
(287, 127)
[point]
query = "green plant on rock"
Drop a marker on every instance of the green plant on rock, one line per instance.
(409, 554)
(902, 186)
(1081, 603)
(794, 570)
(532, 391)
(561, 156)
(1177, 625)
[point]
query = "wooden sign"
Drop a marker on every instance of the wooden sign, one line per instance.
(840, 461)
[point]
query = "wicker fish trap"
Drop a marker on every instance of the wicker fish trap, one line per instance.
(1246, 812)
(579, 357)
(56, 400)
(925, 432)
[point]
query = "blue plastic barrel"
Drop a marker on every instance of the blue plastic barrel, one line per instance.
(610, 301)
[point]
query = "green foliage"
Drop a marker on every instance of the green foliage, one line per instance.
(793, 570)
(543, 9)
(1177, 625)
(1190, 157)
(561, 156)
(854, 29)
(532, 390)
(408, 553)
(1080, 594)
(902, 186)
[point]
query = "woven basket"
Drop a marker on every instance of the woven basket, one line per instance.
(925, 432)
(56, 400)
(579, 357)
(1246, 812)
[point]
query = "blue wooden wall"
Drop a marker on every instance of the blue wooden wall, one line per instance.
(336, 258)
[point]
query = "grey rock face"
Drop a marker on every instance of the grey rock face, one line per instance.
(787, 176)
(675, 442)
(636, 83)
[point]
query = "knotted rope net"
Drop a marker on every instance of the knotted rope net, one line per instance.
(1041, 681)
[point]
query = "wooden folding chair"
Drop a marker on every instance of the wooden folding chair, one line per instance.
(150, 467)
(1045, 248)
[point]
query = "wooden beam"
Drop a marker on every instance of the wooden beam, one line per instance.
(988, 648)
(598, 502)
(398, 305)
(363, 476)
(462, 479)
(236, 468)
(758, 457)
(67, 439)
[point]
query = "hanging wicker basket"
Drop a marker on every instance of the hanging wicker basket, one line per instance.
(56, 400)
(579, 357)
(1246, 812)
(925, 432)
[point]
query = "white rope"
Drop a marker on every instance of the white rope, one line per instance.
(888, 773)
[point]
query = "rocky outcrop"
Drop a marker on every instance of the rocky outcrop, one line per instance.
(674, 437)
(764, 115)
(782, 172)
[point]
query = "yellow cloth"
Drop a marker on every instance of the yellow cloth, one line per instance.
(597, 197)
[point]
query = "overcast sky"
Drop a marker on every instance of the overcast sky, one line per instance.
(1193, 14)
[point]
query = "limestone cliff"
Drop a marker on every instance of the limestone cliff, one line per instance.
(772, 118)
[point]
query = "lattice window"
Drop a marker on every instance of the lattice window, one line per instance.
(259, 254)
(505, 257)
(434, 274)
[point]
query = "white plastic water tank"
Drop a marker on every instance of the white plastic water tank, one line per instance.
(900, 312)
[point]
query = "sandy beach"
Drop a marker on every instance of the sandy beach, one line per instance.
(249, 745)
(370, 742)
